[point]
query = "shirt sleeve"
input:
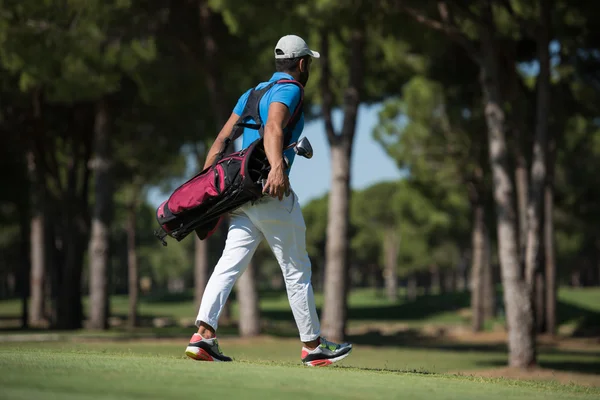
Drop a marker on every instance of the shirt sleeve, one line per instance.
(288, 94)
(239, 107)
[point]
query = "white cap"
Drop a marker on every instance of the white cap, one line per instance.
(292, 46)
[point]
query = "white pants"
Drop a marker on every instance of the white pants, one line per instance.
(281, 223)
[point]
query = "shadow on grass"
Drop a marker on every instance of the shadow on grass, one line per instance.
(188, 296)
(166, 297)
(387, 370)
(428, 306)
(423, 308)
(586, 366)
(587, 321)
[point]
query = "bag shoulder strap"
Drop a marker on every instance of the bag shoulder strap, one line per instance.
(291, 125)
(252, 111)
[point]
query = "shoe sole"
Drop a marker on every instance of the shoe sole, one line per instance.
(326, 362)
(198, 354)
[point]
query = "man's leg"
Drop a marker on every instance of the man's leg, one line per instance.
(283, 226)
(242, 240)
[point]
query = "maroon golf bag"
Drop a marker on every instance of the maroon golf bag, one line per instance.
(233, 180)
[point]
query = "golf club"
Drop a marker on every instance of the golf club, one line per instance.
(302, 147)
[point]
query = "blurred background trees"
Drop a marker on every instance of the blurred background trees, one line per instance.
(490, 110)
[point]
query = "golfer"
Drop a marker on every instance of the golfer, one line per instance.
(277, 218)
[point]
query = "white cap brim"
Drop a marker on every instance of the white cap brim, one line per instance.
(312, 53)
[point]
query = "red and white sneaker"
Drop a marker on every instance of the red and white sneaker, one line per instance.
(201, 349)
(326, 353)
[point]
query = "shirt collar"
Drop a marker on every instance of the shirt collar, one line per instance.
(280, 75)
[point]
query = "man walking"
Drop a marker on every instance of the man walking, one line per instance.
(277, 217)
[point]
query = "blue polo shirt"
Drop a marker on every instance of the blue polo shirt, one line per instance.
(285, 93)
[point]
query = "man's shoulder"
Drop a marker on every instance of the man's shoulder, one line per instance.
(286, 90)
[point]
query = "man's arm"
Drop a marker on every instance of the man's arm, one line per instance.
(220, 140)
(277, 182)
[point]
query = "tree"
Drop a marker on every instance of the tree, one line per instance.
(539, 164)
(315, 217)
(249, 323)
(99, 240)
(14, 206)
(334, 310)
(220, 112)
(374, 214)
(517, 291)
(37, 237)
(429, 134)
(132, 263)
(60, 55)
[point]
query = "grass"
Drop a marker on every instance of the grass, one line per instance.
(264, 368)
(286, 351)
(365, 306)
(115, 364)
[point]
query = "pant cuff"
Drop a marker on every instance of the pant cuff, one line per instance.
(309, 338)
(212, 324)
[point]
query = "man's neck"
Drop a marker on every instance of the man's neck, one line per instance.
(292, 74)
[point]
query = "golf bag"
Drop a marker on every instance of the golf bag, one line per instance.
(233, 180)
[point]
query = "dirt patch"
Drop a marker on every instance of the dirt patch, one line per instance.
(541, 374)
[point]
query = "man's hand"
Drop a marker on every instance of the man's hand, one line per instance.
(278, 183)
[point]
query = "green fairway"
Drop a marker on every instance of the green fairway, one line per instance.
(287, 351)
(142, 371)
(113, 364)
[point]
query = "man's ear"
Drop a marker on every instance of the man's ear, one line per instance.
(302, 65)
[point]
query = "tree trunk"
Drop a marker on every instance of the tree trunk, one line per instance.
(201, 269)
(213, 78)
(25, 269)
(461, 270)
(69, 307)
(132, 265)
(53, 271)
(550, 260)
(411, 287)
(391, 264)
(517, 293)
(449, 282)
(489, 289)
(425, 282)
(597, 262)
(100, 236)
(69, 310)
(37, 246)
(477, 266)
(336, 270)
(436, 281)
(538, 167)
(540, 302)
(364, 270)
(376, 276)
(575, 276)
(249, 308)
(522, 186)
